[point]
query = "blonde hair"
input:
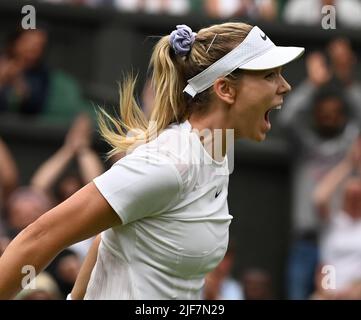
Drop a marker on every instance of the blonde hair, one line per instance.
(170, 73)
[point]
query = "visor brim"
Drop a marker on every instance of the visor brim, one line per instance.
(274, 58)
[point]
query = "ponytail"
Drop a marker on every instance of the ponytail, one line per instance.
(133, 128)
(172, 66)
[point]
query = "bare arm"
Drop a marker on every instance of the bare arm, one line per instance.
(8, 170)
(301, 98)
(329, 184)
(89, 164)
(80, 217)
(76, 143)
(50, 170)
(83, 278)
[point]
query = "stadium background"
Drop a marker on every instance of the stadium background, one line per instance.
(97, 46)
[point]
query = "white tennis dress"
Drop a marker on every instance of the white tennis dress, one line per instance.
(172, 199)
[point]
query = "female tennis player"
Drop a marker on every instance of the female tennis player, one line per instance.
(162, 209)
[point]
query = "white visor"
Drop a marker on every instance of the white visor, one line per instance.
(255, 52)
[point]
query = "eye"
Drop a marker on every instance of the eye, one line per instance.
(270, 75)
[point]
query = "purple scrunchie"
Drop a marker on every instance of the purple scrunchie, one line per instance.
(182, 39)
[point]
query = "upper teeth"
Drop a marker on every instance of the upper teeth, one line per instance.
(278, 107)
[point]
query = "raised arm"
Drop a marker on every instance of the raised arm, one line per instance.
(90, 165)
(76, 144)
(8, 170)
(80, 217)
(328, 185)
(51, 169)
(301, 99)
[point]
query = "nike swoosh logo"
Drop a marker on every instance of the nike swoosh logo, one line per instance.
(218, 193)
(264, 37)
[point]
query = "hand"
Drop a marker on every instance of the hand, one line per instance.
(318, 72)
(79, 135)
(10, 70)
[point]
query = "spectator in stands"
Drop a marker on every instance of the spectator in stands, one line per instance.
(340, 245)
(23, 207)
(24, 79)
(337, 64)
(257, 284)
(309, 12)
(343, 64)
(321, 132)
(263, 9)
(173, 7)
(77, 146)
(28, 203)
(29, 87)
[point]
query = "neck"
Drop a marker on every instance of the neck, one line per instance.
(213, 128)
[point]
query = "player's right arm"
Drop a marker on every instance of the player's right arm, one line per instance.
(82, 216)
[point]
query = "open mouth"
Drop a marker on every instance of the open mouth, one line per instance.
(266, 115)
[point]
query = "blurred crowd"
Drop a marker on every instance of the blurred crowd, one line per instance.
(321, 118)
(306, 12)
(31, 88)
(53, 182)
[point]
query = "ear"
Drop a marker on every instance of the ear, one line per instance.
(225, 90)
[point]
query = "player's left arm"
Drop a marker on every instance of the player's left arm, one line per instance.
(82, 280)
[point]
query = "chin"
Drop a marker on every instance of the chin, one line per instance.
(261, 138)
(258, 137)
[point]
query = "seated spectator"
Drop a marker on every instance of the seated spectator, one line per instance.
(28, 87)
(24, 79)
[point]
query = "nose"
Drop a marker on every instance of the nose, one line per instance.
(284, 87)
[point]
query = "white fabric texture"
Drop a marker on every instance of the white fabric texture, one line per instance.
(255, 52)
(172, 198)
